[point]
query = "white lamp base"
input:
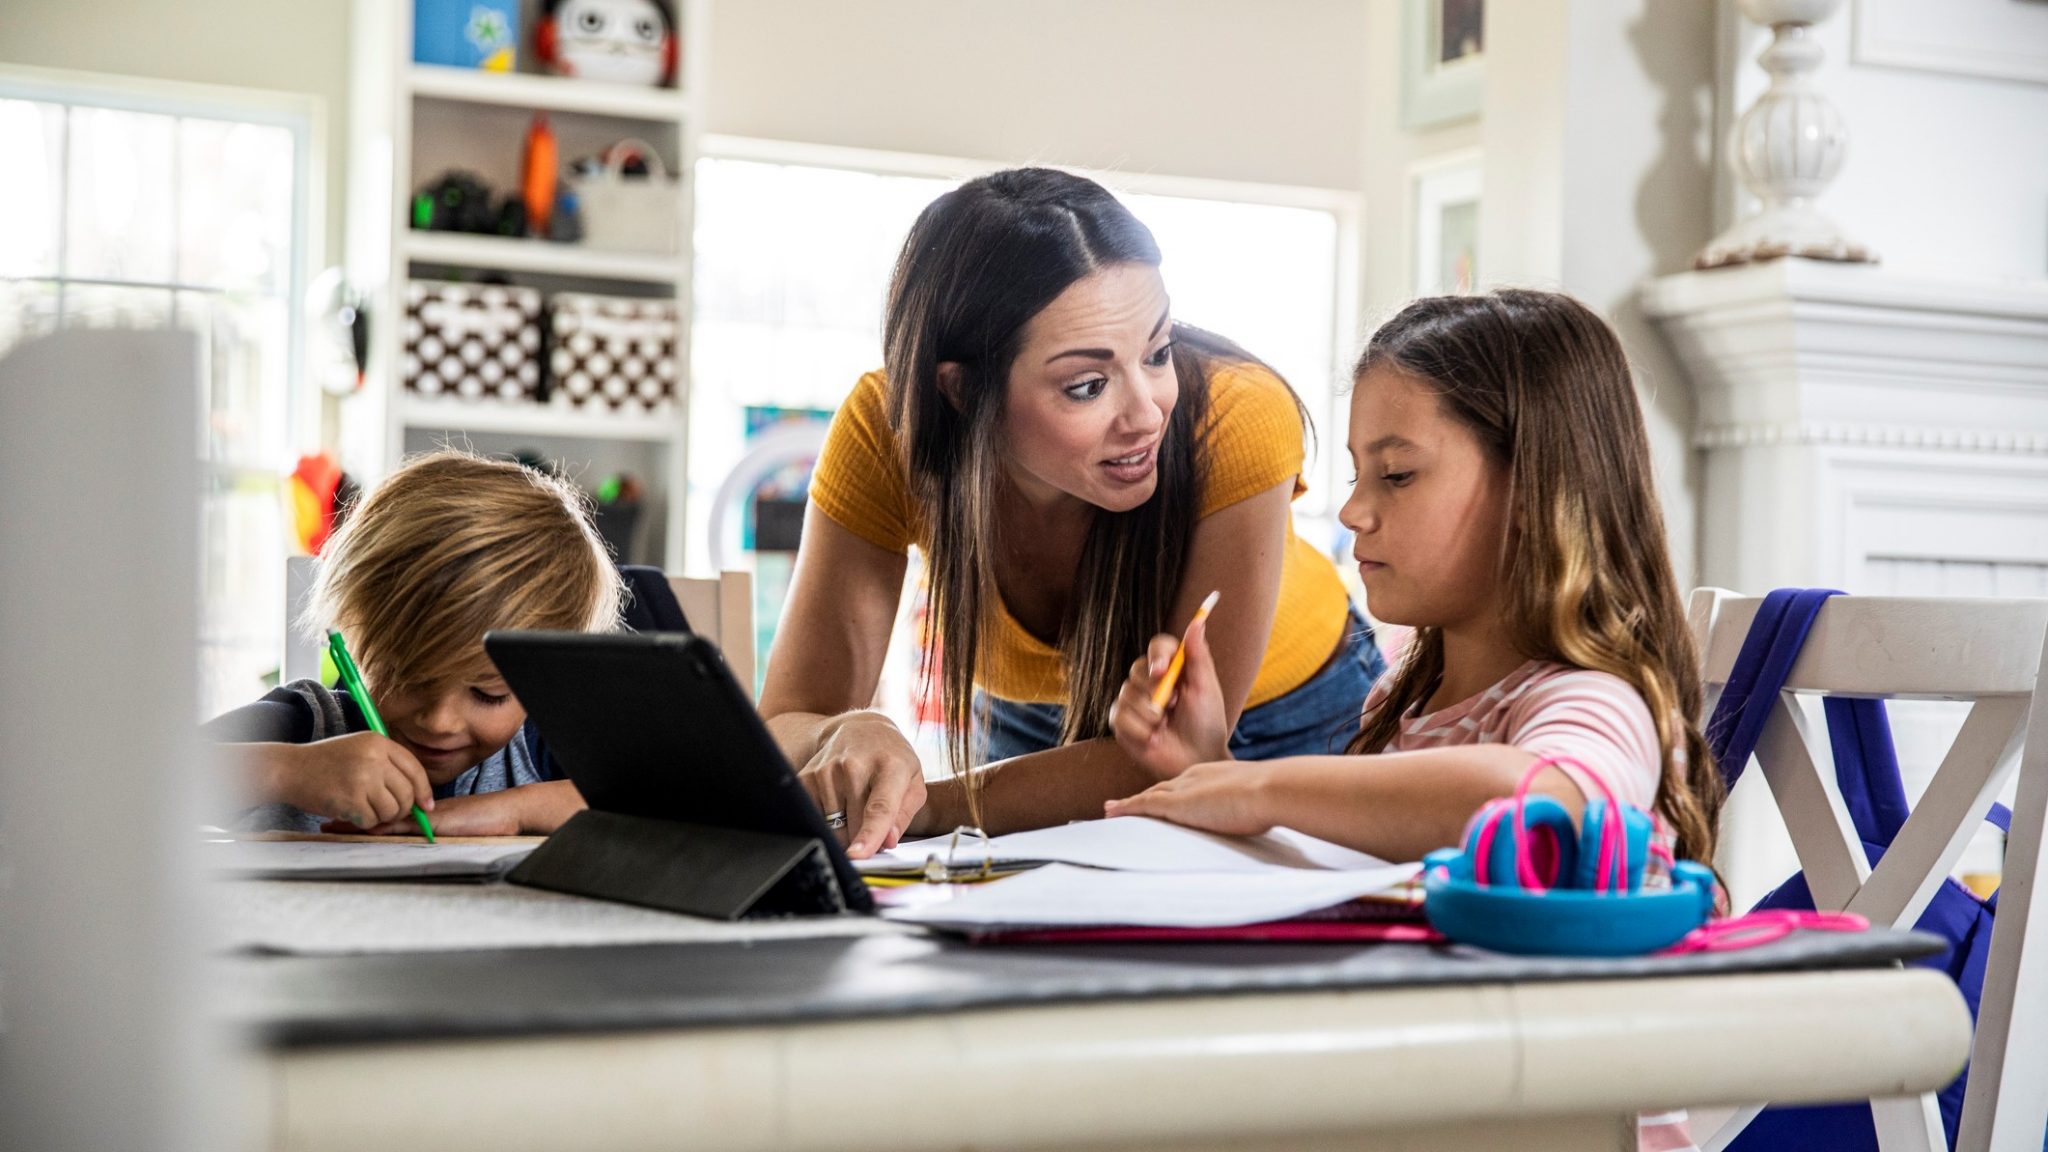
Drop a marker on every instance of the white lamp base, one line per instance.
(1787, 230)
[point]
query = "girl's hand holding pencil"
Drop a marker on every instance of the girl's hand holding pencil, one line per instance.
(1170, 713)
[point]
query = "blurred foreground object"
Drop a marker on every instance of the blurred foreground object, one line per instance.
(104, 1035)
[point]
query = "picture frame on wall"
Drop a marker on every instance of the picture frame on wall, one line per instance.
(1443, 61)
(1444, 195)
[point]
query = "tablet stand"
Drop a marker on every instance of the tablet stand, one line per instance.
(722, 873)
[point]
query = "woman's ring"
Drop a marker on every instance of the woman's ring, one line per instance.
(835, 820)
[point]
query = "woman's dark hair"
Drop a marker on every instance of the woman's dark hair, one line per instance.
(980, 262)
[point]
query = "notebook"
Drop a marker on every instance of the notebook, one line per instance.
(1069, 896)
(1123, 843)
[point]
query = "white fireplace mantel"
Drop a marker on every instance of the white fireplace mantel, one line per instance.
(1854, 419)
(1871, 431)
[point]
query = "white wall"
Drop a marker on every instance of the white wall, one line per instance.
(1384, 161)
(1946, 174)
(1268, 92)
(1596, 138)
(293, 46)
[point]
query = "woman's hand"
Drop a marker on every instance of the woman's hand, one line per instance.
(867, 770)
(1229, 797)
(364, 779)
(1192, 728)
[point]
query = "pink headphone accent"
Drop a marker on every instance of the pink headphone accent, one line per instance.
(1613, 866)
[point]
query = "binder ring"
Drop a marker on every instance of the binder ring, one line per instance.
(947, 871)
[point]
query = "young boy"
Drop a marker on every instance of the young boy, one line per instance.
(447, 548)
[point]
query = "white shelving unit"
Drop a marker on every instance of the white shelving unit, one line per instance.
(532, 420)
(410, 123)
(555, 93)
(503, 254)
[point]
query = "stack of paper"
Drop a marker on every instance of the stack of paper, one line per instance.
(1134, 871)
(1125, 843)
(1063, 896)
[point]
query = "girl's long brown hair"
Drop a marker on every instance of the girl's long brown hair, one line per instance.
(978, 264)
(1543, 383)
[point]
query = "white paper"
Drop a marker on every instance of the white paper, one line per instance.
(355, 860)
(1064, 896)
(321, 917)
(1132, 844)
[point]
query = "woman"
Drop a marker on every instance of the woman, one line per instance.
(1079, 473)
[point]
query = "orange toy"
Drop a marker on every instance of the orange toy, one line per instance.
(542, 171)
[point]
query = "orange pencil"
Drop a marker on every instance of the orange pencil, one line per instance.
(1164, 690)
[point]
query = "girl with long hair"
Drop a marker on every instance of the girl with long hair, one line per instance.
(1504, 509)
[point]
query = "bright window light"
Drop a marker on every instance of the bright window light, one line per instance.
(793, 263)
(153, 219)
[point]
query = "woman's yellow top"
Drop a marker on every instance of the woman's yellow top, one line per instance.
(1254, 443)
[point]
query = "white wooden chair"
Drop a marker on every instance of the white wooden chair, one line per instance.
(721, 610)
(1988, 652)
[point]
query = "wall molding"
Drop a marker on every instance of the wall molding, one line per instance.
(1824, 434)
(1858, 355)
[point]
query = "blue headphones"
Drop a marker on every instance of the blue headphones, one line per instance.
(1525, 881)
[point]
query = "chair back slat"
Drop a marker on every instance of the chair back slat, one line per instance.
(722, 611)
(1900, 648)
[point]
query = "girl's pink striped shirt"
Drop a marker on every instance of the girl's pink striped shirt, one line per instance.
(1551, 709)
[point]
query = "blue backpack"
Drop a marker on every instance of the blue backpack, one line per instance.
(1867, 771)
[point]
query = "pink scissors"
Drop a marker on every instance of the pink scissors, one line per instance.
(1757, 928)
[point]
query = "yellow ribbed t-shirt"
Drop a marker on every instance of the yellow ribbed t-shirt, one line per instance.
(1254, 443)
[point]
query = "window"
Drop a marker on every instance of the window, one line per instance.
(794, 247)
(150, 208)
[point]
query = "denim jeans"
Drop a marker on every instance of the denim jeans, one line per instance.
(1317, 717)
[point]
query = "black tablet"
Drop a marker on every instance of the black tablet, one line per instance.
(653, 724)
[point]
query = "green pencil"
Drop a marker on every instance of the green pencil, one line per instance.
(353, 681)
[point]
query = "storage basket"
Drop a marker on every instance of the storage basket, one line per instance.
(623, 213)
(612, 352)
(474, 341)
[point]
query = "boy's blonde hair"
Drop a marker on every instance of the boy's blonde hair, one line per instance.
(448, 547)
